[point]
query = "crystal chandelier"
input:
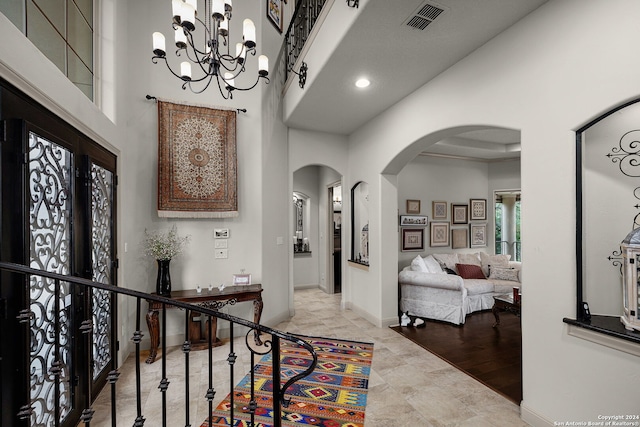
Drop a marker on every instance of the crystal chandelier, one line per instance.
(211, 57)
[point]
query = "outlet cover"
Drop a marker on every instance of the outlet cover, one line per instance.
(222, 253)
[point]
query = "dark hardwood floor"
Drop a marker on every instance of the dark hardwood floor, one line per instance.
(491, 355)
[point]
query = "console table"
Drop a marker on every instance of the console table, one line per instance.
(214, 299)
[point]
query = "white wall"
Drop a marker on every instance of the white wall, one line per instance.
(452, 180)
(539, 77)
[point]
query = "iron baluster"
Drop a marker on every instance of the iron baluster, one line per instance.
(56, 366)
(186, 348)
(137, 337)
(232, 360)
(164, 383)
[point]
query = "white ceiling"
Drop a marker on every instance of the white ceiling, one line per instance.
(398, 59)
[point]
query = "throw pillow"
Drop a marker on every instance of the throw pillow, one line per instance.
(504, 274)
(491, 261)
(470, 271)
(432, 265)
(417, 264)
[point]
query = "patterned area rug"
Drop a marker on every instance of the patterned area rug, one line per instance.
(334, 395)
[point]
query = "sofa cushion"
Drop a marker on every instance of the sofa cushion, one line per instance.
(432, 265)
(501, 261)
(418, 264)
(470, 271)
(473, 259)
(447, 260)
(503, 286)
(504, 274)
(478, 286)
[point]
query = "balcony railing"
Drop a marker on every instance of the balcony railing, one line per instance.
(304, 18)
(19, 278)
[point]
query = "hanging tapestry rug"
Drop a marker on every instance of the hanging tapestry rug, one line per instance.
(197, 164)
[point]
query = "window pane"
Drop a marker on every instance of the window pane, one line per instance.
(14, 11)
(86, 8)
(80, 36)
(80, 75)
(45, 37)
(54, 10)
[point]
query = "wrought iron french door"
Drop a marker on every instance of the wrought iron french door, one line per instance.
(58, 215)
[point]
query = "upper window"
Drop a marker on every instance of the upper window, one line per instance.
(62, 30)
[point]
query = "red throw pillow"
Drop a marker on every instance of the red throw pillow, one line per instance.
(470, 271)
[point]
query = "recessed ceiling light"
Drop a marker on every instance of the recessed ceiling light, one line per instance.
(362, 83)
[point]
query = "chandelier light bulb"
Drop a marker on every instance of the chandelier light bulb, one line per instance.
(188, 16)
(249, 33)
(228, 77)
(263, 65)
(185, 70)
(181, 38)
(228, 6)
(218, 9)
(224, 27)
(241, 52)
(159, 44)
(176, 8)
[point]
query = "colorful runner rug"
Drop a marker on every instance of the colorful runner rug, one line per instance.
(333, 395)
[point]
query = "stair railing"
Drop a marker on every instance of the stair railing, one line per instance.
(271, 343)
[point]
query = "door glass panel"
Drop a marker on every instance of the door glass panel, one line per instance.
(50, 167)
(102, 257)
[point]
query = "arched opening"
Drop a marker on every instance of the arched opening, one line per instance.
(317, 229)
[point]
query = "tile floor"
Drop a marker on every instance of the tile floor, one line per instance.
(408, 385)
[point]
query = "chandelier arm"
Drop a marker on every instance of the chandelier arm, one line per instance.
(153, 59)
(229, 95)
(254, 85)
(205, 86)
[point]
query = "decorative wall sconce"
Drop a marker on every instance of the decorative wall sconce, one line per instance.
(302, 74)
(353, 3)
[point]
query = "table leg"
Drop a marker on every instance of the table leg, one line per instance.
(154, 335)
(496, 313)
(215, 341)
(257, 314)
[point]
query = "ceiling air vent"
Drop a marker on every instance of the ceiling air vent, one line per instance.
(424, 16)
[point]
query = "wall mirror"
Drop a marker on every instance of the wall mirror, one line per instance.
(607, 205)
(360, 223)
(301, 221)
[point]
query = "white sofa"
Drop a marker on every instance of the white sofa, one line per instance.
(427, 290)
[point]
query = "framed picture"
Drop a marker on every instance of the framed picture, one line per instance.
(413, 206)
(439, 210)
(478, 233)
(221, 233)
(459, 238)
(478, 209)
(412, 239)
(274, 13)
(415, 220)
(459, 214)
(439, 234)
(241, 279)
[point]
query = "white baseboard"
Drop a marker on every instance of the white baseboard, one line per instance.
(532, 418)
